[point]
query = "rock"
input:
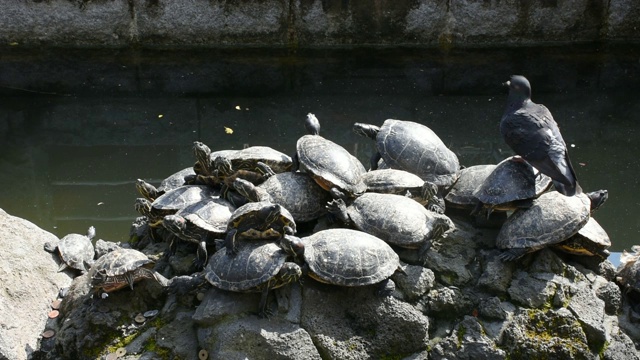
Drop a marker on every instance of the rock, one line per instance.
(531, 292)
(30, 282)
(179, 336)
(417, 281)
(491, 308)
(448, 302)
(610, 293)
(251, 337)
(620, 347)
(589, 310)
(468, 341)
(450, 259)
(496, 275)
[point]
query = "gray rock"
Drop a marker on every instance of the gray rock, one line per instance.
(179, 336)
(468, 341)
(531, 292)
(450, 259)
(589, 310)
(491, 308)
(30, 282)
(496, 275)
(612, 296)
(218, 305)
(448, 302)
(251, 337)
(620, 347)
(417, 281)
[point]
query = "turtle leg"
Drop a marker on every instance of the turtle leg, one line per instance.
(375, 158)
(129, 277)
(295, 162)
(422, 252)
(230, 242)
(263, 311)
(265, 170)
(386, 288)
(513, 254)
(173, 247)
(338, 208)
(201, 259)
(337, 193)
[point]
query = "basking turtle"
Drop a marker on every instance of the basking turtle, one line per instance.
(552, 219)
(185, 176)
(460, 196)
(412, 147)
(254, 158)
(628, 275)
(257, 267)
(590, 240)
(345, 257)
(172, 201)
(395, 219)
(400, 182)
(512, 184)
(76, 251)
(198, 222)
(121, 268)
(328, 163)
(258, 220)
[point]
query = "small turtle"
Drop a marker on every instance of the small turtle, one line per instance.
(395, 219)
(185, 176)
(460, 196)
(76, 251)
(198, 222)
(257, 267)
(412, 147)
(121, 268)
(172, 201)
(591, 240)
(400, 182)
(328, 163)
(628, 275)
(345, 257)
(552, 219)
(512, 184)
(258, 220)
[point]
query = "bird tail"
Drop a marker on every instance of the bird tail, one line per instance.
(567, 190)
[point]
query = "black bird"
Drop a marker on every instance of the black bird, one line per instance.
(529, 129)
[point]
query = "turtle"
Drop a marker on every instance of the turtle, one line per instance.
(253, 158)
(460, 196)
(552, 219)
(258, 220)
(257, 267)
(76, 251)
(121, 268)
(395, 181)
(513, 184)
(328, 163)
(396, 219)
(413, 147)
(198, 222)
(185, 176)
(345, 257)
(590, 240)
(628, 275)
(172, 201)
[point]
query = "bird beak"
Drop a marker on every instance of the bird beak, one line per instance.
(508, 83)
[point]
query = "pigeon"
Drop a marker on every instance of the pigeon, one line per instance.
(530, 131)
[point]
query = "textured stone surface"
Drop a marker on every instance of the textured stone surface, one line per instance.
(30, 282)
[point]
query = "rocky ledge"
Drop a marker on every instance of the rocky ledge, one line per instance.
(464, 304)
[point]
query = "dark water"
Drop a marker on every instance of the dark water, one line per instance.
(78, 127)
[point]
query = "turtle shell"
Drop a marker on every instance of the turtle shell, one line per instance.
(182, 197)
(298, 193)
(211, 214)
(249, 270)
(77, 250)
(414, 147)
(121, 261)
(330, 164)
(511, 181)
(397, 219)
(349, 257)
(246, 217)
(176, 180)
(247, 158)
(391, 181)
(590, 240)
(469, 179)
(552, 219)
(628, 272)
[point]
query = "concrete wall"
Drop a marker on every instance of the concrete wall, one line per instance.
(303, 23)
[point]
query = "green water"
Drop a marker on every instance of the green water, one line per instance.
(78, 127)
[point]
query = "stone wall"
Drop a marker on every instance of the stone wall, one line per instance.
(291, 23)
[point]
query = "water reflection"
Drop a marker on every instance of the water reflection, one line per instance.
(79, 127)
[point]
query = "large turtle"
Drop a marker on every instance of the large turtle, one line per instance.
(413, 147)
(590, 240)
(258, 220)
(328, 163)
(552, 219)
(121, 268)
(345, 257)
(206, 219)
(257, 267)
(185, 176)
(76, 251)
(513, 184)
(395, 219)
(172, 201)
(400, 182)
(460, 196)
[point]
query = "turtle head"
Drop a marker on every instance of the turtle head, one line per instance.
(271, 213)
(176, 224)
(366, 130)
(98, 278)
(519, 87)
(597, 198)
(91, 232)
(312, 124)
(201, 151)
(293, 246)
(290, 272)
(143, 206)
(246, 189)
(223, 165)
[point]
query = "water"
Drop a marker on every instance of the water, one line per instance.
(78, 127)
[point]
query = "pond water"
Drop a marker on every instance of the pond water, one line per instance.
(78, 127)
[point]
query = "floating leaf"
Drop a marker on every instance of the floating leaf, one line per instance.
(228, 130)
(160, 116)
(238, 107)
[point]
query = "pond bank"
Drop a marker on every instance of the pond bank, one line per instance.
(293, 24)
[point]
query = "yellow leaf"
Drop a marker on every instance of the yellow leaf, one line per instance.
(228, 130)
(160, 116)
(13, 43)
